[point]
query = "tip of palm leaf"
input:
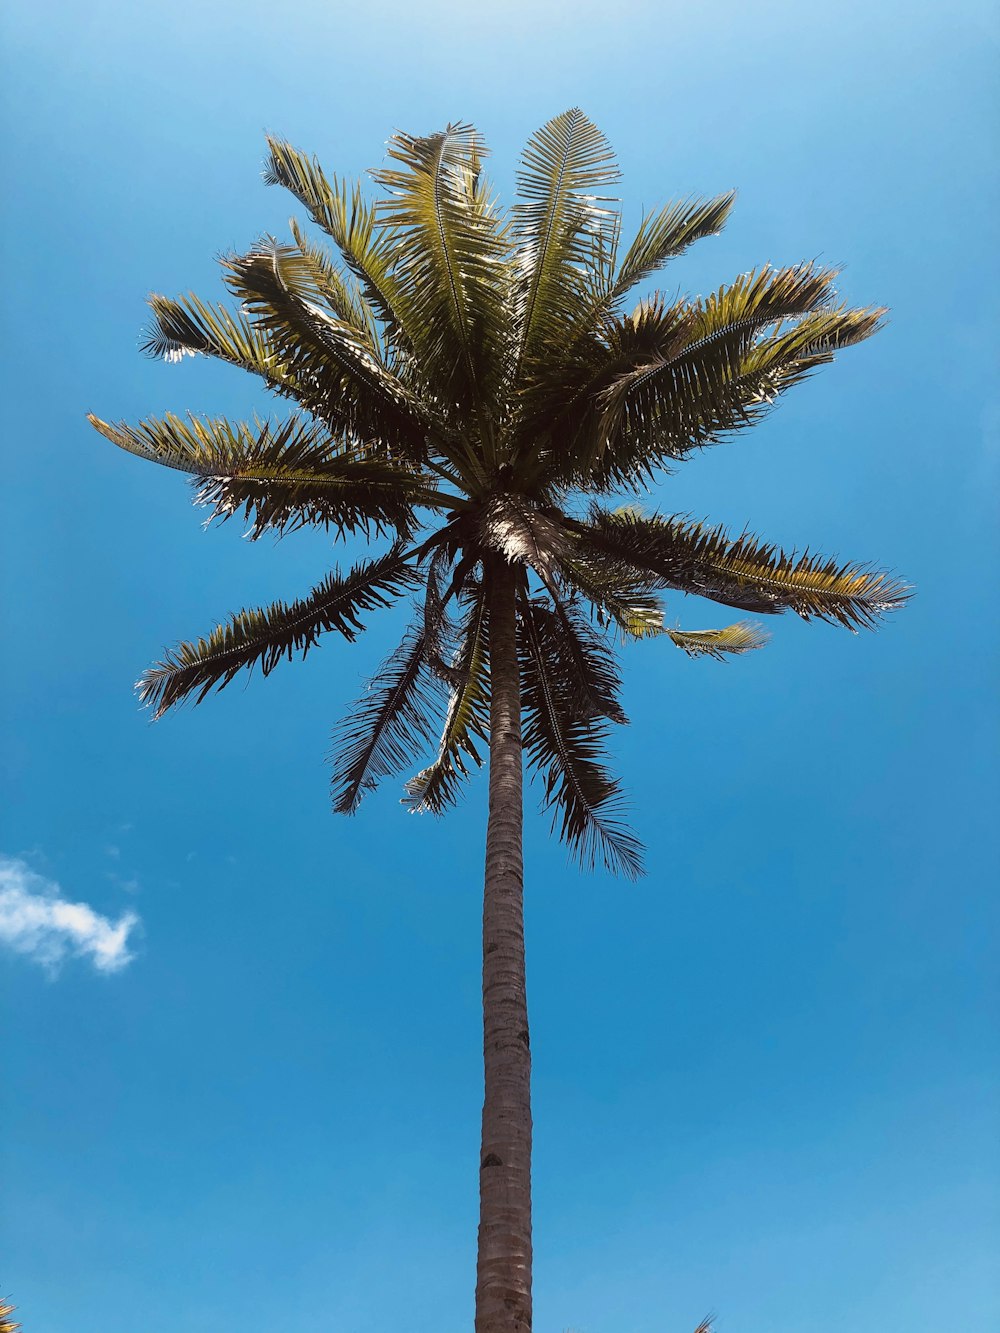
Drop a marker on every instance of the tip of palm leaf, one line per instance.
(744, 636)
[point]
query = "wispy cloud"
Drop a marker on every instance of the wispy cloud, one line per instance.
(36, 920)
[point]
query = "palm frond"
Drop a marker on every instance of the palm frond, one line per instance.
(617, 592)
(582, 659)
(263, 637)
(438, 786)
(566, 752)
(341, 291)
(743, 637)
(743, 571)
(279, 476)
(340, 209)
(358, 391)
(663, 236)
(560, 224)
(663, 386)
(704, 355)
(8, 1325)
(387, 725)
(450, 262)
(436, 622)
(185, 326)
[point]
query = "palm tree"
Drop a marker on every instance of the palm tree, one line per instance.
(468, 386)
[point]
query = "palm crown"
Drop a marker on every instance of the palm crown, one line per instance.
(470, 385)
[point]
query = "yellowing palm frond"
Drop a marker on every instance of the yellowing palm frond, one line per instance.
(743, 571)
(743, 637)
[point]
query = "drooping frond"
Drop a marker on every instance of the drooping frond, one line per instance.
(567, 752)
(561, 222)
(387, 725)
(743, 571)
(743, 637)
(263, 637)
(467, 720)
(279, 476)
(462, 580)
(450, 264)
(582, 659)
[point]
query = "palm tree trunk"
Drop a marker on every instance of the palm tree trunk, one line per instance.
(503, 1286)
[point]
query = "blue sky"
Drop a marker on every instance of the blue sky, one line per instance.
(241, 1065)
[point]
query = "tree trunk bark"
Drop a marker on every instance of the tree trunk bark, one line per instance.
(503, 1285)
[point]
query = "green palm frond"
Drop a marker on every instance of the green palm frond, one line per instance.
(277, 286)
(663, 236)
(263, 637)
(341, 211)
(581, 658)
(663, 386)
(185, 325)
(387, 725)
(743, 571)
(560, 224)
(438, 786)
(567, 752)
(279, 476)
(450, 252)
(339, 289)
(704, 354)
(743, 637)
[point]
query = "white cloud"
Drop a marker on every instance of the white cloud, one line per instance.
(36, 920)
